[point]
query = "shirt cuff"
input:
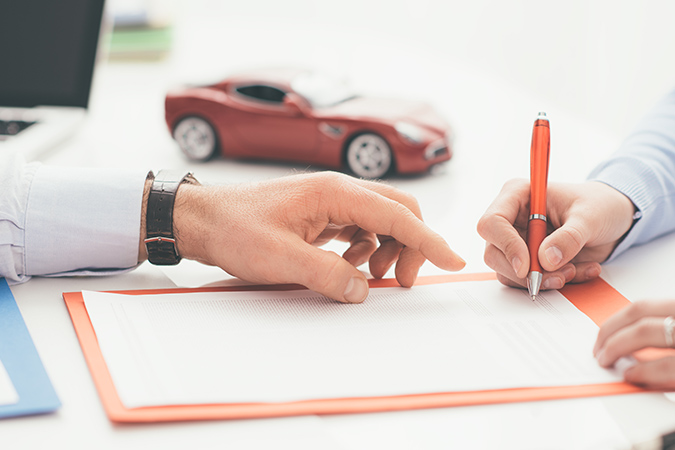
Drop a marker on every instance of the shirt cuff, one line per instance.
(630, 178)
(83, 221)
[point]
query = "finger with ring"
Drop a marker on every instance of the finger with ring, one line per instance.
(668, 327)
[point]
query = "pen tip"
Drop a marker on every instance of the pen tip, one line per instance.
(534, 283)
(541, 115)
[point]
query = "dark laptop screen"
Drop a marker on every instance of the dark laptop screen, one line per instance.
(47, 51)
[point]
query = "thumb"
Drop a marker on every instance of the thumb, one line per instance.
(561, 246)
(328, 274)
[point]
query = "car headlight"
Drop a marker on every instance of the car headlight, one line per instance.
(410, 132)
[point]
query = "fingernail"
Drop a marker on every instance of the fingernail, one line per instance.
(601, 358)
(516, 263)
(554, 255)
(553, 283)
(356, 290)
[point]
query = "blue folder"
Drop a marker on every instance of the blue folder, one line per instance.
(22, 362)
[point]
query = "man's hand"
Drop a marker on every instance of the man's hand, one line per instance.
(639, 326)
(585, 223)
(269, 232)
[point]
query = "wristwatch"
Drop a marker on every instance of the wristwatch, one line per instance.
(160, 242)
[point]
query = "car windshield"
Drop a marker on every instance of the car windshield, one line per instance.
(322, 91)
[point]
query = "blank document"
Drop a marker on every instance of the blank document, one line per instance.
(278, 346)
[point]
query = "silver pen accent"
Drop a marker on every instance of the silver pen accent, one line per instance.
(534, 283)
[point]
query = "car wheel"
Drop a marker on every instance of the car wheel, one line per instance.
(369, 156)
(196, 138)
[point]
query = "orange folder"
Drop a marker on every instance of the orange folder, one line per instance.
(597, 299)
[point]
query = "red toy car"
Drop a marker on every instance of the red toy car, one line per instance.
(297, 115)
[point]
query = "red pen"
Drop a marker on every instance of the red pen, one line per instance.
(536, 225)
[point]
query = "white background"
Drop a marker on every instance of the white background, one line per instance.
(605, 61)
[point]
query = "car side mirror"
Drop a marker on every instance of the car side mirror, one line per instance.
(296, 104)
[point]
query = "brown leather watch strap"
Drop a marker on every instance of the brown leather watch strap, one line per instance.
(160, 241)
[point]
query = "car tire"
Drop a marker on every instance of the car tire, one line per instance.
(196, 138)
(369, 156)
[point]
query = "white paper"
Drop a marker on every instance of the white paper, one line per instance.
(8, 395)
(297, 345)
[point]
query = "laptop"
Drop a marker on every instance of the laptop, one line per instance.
(46, 69)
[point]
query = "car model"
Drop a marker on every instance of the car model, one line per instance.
(300, 115)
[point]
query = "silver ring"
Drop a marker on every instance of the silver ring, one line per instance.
(668, 327)
(538, 216)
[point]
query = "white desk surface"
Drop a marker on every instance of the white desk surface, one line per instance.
(492, 117)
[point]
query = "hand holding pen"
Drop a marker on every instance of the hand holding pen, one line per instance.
(585, 221)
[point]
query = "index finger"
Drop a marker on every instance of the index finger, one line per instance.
(371, 207)
(496, 226)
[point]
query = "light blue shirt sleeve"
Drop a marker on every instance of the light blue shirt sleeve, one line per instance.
(643, 169)
(57, 221)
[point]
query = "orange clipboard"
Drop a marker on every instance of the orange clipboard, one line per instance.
(597, 299)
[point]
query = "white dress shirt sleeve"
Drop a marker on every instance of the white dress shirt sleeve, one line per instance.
(58, 221)
(643, 169)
